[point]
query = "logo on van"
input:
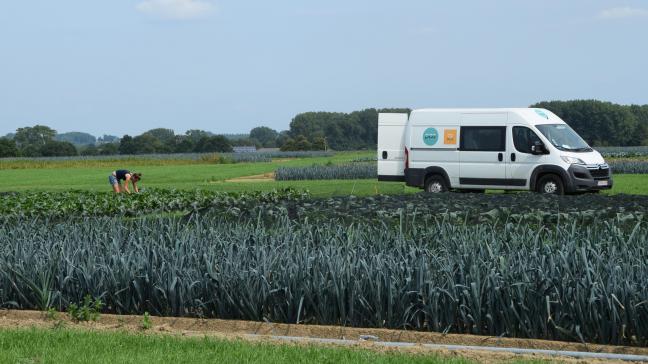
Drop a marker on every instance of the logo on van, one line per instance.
(542, 113)
(430, 136)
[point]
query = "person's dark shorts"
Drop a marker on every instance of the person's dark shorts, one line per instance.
(113, 180)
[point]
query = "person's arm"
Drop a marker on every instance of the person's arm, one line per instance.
(135, 187)
(128, 178)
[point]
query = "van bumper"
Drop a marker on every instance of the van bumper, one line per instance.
(415, 177)
(589, 178)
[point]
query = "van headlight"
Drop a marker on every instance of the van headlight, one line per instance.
(571, 160)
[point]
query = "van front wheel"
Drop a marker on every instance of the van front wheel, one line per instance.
(435, 184)
(551, 184)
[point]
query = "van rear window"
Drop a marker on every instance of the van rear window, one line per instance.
(483, 138)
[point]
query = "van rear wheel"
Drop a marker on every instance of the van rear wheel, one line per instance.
(551, 184)
(435, 184)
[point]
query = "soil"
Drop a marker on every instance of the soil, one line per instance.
(266, 177)
(263, 331)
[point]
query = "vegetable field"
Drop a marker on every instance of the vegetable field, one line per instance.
(517, 265)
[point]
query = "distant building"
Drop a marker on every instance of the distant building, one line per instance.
(245, 149)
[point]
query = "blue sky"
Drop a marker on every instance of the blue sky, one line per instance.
(123, 67)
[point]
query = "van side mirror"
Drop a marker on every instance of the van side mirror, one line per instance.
(538, 148)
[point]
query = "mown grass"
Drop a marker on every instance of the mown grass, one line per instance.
(76, 346)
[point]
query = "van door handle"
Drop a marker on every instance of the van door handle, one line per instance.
(512, 157)
(384, 154)
(500, 157)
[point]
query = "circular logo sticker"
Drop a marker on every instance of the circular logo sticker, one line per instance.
(430, 136)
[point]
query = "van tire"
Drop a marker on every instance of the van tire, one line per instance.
(550, 184)
(435, 184)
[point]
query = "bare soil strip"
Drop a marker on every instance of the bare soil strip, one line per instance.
(235, 329)
(266, 177)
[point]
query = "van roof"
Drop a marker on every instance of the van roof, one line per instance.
(485, 110)
(529, 115)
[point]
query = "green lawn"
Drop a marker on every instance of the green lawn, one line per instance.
(57, 177)
(76, 346)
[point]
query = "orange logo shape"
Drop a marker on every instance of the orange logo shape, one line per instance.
(450, 136)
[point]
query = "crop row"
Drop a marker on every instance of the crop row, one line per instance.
(623, 152)
(571, 282)
(299, 206)
(74, 204)
(629, 166)
(315, 172)
(359, 169)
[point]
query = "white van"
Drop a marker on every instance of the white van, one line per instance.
(478, 149)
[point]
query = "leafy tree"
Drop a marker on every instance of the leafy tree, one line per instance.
(195, 134)
(54, 148)
(127, 145)
(149, 144)
(77, 138)
(30, 151)
(184, 144)
(282, 138)
(299, 143)
(108, 149)
(267, 137)
(8, 148)
(37, 135)
(216, 143)
(165, 136)
(89, 150)
(319, 144)
(357, 130)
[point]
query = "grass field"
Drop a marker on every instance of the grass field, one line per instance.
(93, 175)
(76, 346)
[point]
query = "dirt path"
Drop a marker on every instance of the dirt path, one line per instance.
(233, 329)
(266, 177)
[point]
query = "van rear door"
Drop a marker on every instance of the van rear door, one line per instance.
(391, 146)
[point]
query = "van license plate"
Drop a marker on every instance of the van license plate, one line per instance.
(602, 183)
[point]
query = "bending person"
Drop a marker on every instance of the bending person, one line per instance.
(125, 175)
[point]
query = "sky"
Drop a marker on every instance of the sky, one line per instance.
(126, 66)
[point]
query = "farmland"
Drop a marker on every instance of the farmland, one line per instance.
(200, 241)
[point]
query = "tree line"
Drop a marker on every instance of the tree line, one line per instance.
(599, 123)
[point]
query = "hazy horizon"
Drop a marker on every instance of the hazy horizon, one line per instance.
(128, 66)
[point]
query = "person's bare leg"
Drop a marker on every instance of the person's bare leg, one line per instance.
(116, 187)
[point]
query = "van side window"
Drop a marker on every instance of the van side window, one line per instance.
(483, 138)
(524, 138)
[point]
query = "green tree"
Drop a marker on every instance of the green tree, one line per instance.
(300, 143)
(77, 138)
(8, 148)
(108, 149)
(166, 136)
(55, 148)
(89, 150)
(267, 137)
(127, 145)
(37, 135)
(184, 144)
(216, 143)
(149, 144)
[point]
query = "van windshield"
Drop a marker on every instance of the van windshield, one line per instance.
(563, 137)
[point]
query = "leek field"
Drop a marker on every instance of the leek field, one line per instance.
(343, 252)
